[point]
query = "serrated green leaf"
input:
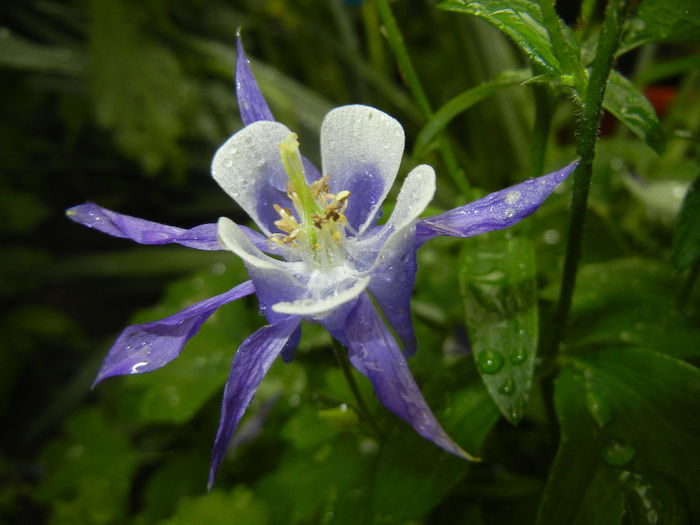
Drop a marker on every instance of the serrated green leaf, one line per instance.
(627, 301)
(630, 429)
(521, 20)
(686, 235)
(497, 283)
(633, 109)
(443, 116)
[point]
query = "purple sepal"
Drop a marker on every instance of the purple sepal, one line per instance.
(251, 102)
(202, 237)
(145, 347)
(496, 211)
(392, 287)
(250, 364)
(374, 353)
(290, 349)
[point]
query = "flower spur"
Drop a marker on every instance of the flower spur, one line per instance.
(319, 255)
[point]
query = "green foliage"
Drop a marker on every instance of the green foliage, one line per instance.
(633, 109)
(663, 21)
(497, 283)
(686, 236)
(521, 20)
(629, 425)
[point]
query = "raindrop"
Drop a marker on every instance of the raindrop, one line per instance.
(508, 213)
(508, 387)
(260, 162)
(518, 356)
(618, 453)
(599, 407)
(490, 362)
(512, 197)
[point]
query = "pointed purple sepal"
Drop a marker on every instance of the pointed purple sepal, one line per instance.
(251, 102)
(145, 347)
(496, 211)
(202, 237)
(250, 364)
(375, 354)
(392, 287)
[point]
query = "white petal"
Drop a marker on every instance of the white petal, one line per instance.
(361, 150)
(248, 167)
(274, 280)
(315, 308)
(416, 193)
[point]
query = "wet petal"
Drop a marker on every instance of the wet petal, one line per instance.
(248, 167)
(361, 150)
(374, 353)
(274, 280)
(319, 307)
(202, 237)
(250, 364)
(496, 211)
(145, 347)
(290, 349)
(394, 269)
(251, 102)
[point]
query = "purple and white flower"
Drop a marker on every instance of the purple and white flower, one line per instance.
(318, 255)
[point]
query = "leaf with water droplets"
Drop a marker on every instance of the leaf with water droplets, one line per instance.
(630, 430)
(497, 282)
(521, 20)
(633, 109)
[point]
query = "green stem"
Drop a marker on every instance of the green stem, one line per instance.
(344, 362)
(587, 133)
(411, 78)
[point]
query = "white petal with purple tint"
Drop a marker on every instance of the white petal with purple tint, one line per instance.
(361, 150)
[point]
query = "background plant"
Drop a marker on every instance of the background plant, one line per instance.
(577, 382)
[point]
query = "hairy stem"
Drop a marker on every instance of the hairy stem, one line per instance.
(586, 137)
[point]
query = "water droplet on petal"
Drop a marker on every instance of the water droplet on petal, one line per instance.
(489, 361)
(512, 197)
(508, 213)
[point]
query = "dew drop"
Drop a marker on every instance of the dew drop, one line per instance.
(599, 407)
(508, 213)
(512, 197)
(508, 387)
(518, 356)
(490, 362)
(618, 453)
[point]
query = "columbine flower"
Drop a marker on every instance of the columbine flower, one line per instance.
(328, 254)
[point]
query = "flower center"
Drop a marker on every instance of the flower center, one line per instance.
(319, 232)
